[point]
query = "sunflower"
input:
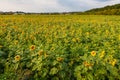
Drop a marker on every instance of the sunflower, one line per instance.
(60, 59)
(17, 58)
(86, 64)
(113, 62)
(16, 42)
(1, 46)
(102, 54)
(93, 53)
(40, 52)
(32, 47)
(45, 55)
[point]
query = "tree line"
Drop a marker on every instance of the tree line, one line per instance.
(107, 10)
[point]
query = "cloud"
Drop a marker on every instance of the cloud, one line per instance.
(103, 0)
(102, 3)
(31, 5)
(53, 5)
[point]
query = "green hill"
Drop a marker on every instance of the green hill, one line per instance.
(107, 10)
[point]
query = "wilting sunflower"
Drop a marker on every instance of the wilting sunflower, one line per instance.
(93, 53)
(32, 47)
(40, 52)
(17, 58)
(86, 64)
(60, 59)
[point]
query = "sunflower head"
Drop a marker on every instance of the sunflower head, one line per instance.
(113, 62)
(17, 58)
(93, 53)
(32, 47)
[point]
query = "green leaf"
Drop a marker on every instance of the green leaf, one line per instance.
(55, 78)
(85, 56)
(44, 72)
(53, 71)
(90, 76)
(16, 66)
(55, 62)
(78, 68)
(62, 74)
(2, 53)
(101, 71)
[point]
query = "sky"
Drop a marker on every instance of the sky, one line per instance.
(53, 5)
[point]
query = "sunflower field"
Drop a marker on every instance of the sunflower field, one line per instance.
(59, 47)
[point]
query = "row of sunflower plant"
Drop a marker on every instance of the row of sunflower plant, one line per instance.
(59, 47)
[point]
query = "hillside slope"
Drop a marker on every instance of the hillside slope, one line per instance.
(107, 10)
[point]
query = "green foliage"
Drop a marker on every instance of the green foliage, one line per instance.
(107, 10)
(59, 47)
